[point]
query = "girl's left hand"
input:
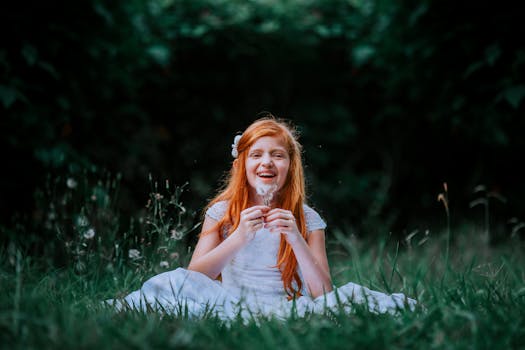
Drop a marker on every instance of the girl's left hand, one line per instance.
(282, 221)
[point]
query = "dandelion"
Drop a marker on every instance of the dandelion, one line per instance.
(134, 254)
(89, 234)
(164, 264)
(71, 183)
(174, 256)
(266, 191)
(93, 197)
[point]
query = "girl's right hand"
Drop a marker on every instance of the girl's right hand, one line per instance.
(252, 220)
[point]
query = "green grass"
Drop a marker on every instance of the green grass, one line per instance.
(478, 303)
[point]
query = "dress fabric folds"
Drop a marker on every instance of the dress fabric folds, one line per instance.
(251, 285)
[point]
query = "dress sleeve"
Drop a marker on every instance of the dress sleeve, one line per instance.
(217, 210)
(313, 219)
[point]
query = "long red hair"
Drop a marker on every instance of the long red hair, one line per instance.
(291, 196)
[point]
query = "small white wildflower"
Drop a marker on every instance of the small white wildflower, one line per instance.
(71, 183)
(174, 256)
(164, 264)
(176, 235)
(93, 197)
(89, 234)
(134, 254)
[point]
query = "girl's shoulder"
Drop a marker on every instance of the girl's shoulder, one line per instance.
(313, 219)
(217, 210)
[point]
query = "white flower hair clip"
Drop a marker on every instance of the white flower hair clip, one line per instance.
(235, 153)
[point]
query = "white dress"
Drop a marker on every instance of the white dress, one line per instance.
(251, 285)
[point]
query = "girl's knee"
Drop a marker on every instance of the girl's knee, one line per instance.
(166, 280)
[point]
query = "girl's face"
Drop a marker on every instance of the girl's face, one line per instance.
(267, 164)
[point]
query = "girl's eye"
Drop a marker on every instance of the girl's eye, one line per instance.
(279, 155)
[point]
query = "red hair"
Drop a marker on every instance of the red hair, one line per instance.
(292, 195)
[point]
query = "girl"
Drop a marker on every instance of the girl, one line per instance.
(264, 242)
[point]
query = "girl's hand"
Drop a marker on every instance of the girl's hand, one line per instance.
(283, 221)
(252, 220)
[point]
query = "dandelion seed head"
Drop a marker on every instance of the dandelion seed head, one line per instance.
(266, 191)
(176, 234)
(89, 234)
(71, 183)
(134, 254)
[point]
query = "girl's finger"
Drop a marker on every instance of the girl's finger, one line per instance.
(278, 210)
(262, 208)
(256, 215)
(281, 224)
(283, 216)
(256, 225)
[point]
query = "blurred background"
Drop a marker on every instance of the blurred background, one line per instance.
(392, 99)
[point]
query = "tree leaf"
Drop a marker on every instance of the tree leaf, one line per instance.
(514, 95)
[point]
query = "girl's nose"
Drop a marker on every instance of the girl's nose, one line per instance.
(267, 160)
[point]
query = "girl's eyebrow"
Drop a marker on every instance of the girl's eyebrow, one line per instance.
(275, 149)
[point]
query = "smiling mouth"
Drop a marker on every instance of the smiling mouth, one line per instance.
(266, 175)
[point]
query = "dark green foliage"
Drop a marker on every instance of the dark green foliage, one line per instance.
(391, 98)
